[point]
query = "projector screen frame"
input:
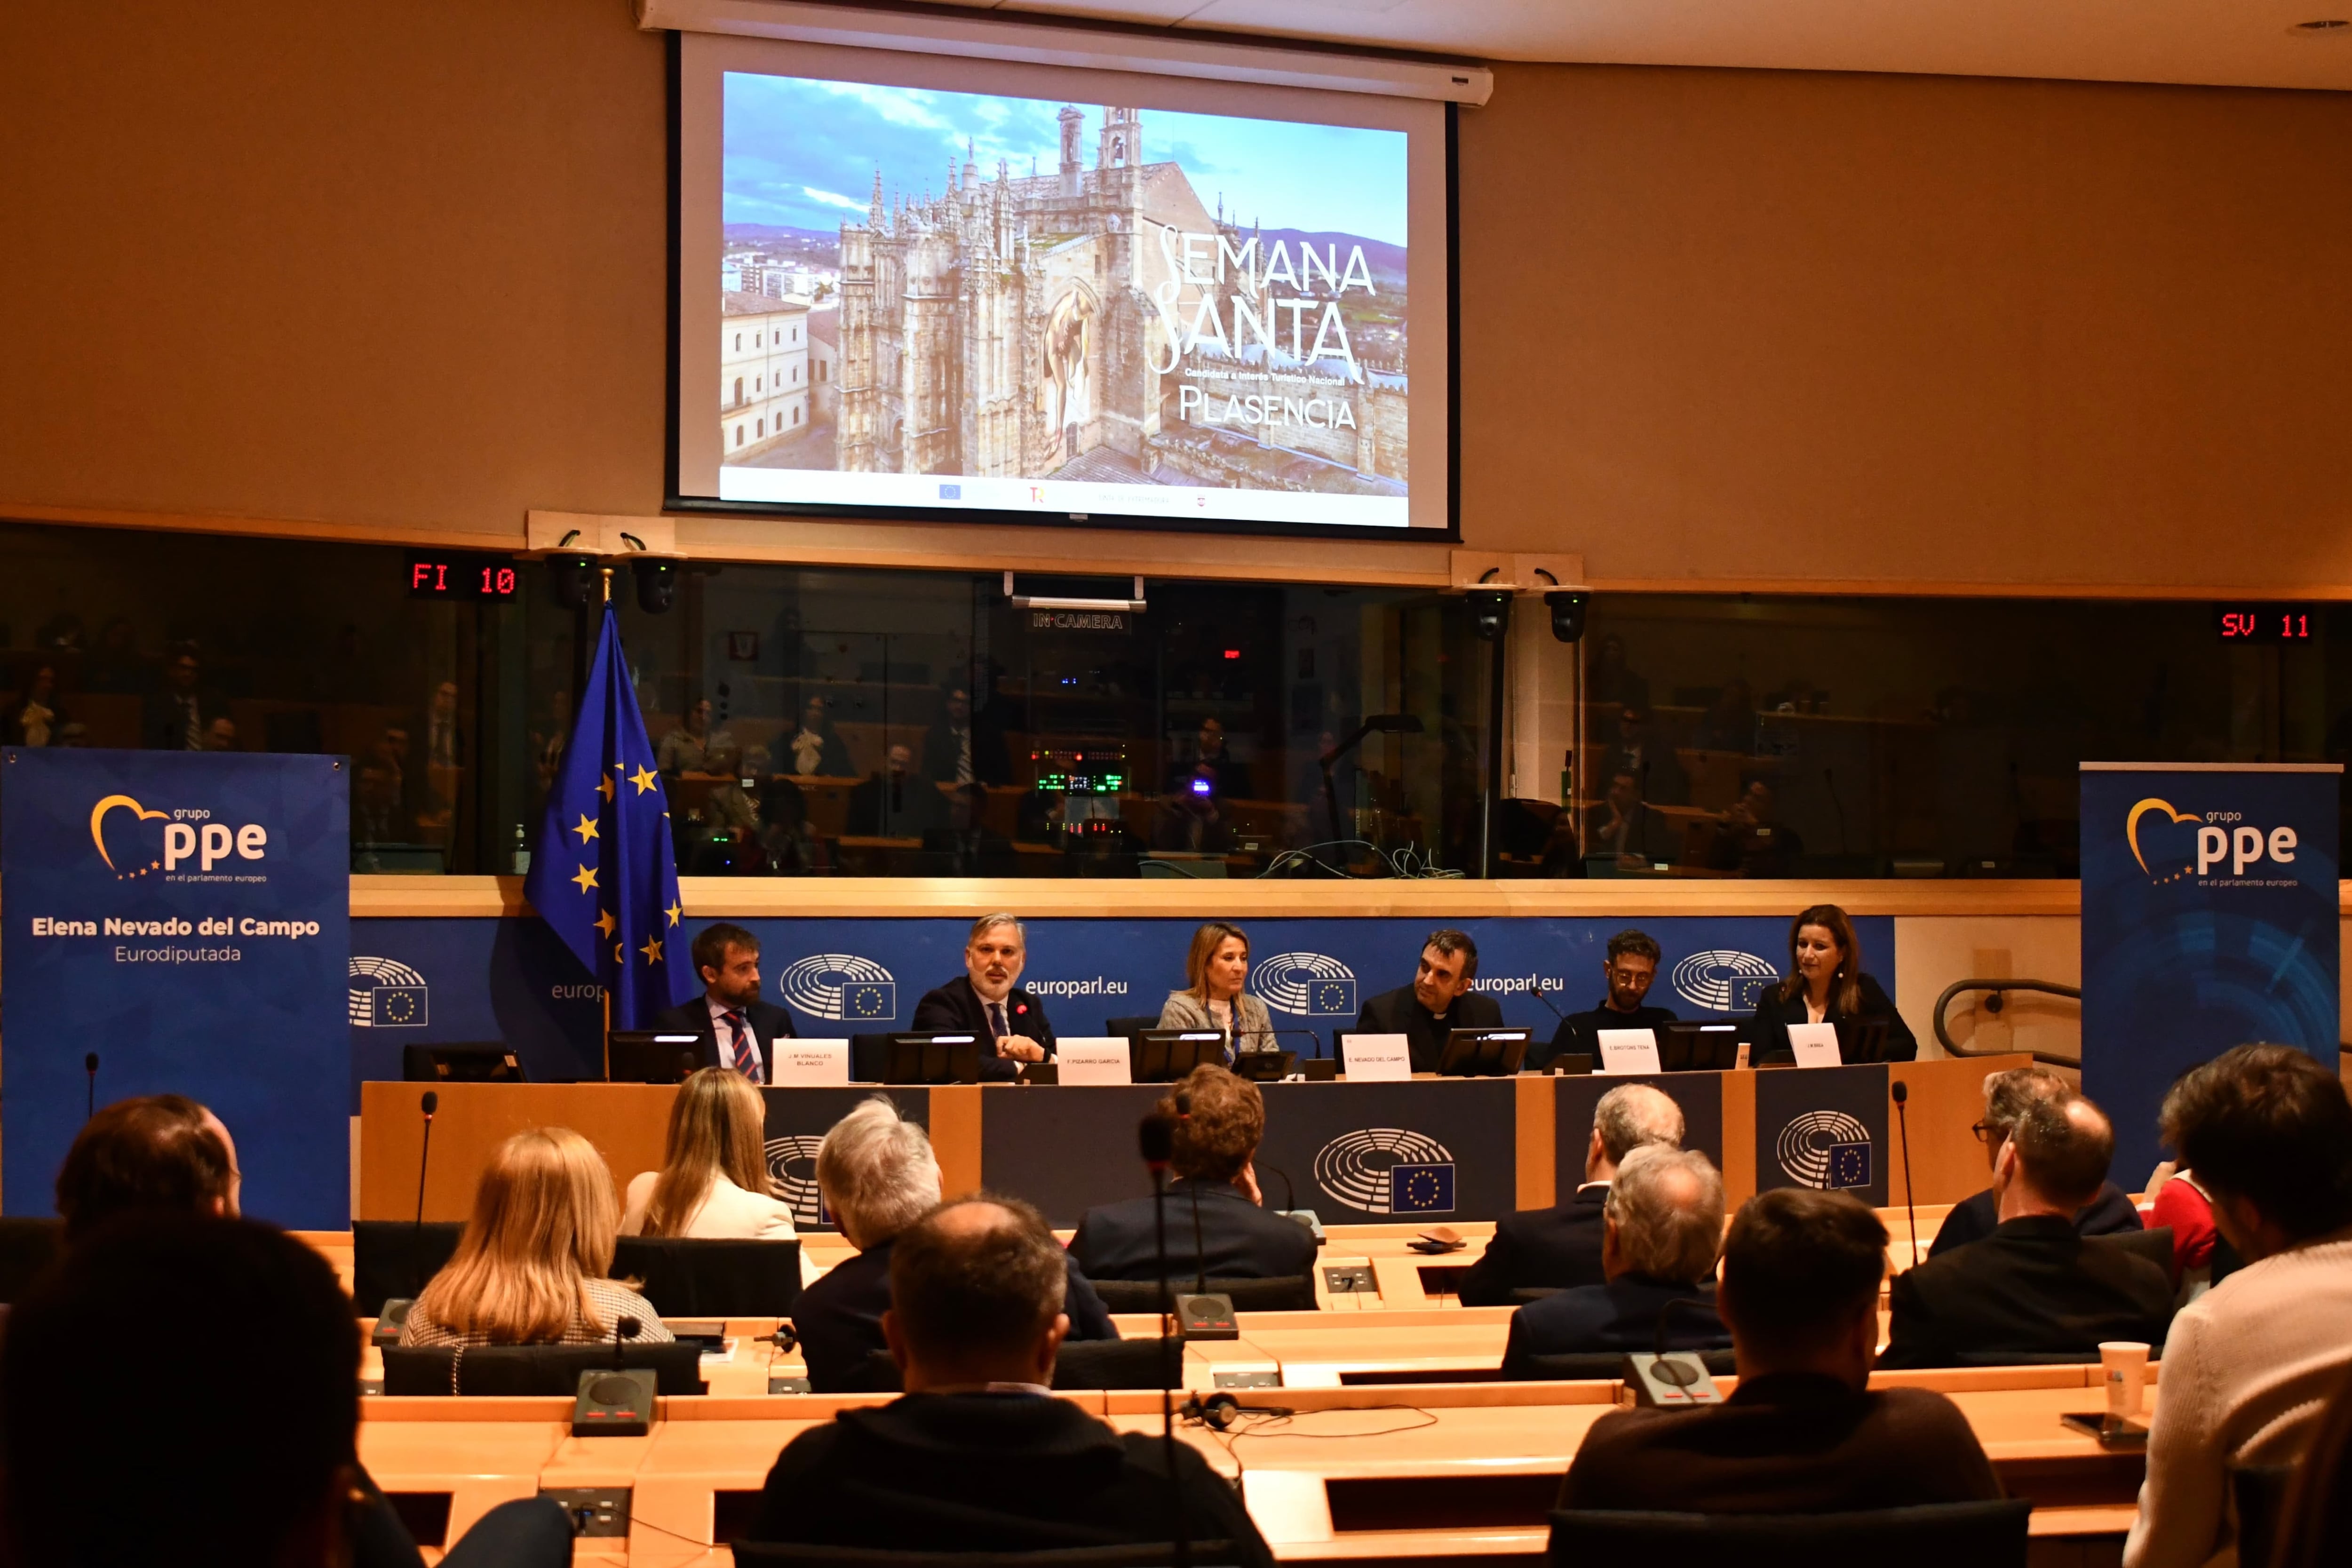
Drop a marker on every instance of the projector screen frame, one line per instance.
(674, 500)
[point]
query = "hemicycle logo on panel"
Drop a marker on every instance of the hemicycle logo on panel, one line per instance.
(841, 986)
(1387, 1170)
(1724, 980)
(386, 994)
(1312, 984)
(1827, 1149)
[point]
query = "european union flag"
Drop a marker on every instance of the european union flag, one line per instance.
(602, 875)
(397, 1006)
(1326, 997)
(1849, 1165)
(1420, 1189)
(870, 1000)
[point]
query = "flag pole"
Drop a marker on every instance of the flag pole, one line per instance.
(607, 574)
(608, 584)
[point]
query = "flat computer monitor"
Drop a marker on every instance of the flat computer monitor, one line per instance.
(932, 1058)
(1698, 1047)
(1483, 1053)
(650, 1056)
(1164, 1055)
(1861, 1040)
(471, 1061)
(1265, 1066)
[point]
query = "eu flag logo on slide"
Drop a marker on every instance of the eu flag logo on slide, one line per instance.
(1420, 1189)
(1331, 996)
(1849, 1165)
(871, 1001)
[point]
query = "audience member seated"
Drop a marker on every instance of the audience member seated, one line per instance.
(955, 750)
(1660, 1230)
(1751, 840)
(2035, 1285)
(34, 718)
(733, 1028)
(160, 1151)
(1438, 1002)
(967, 846)
(894, 802)
(1657, 772)
(1623, 825)
(689, 748)
(879, 1176)
(979, 1456)
(1216, 969)
(2250, 1363)
(173, 719)
(986, 999)
(2006, 1095)
(713, 1184)
(1213, 1198)
(265, 1351)
(1825, 984)
(1559, 1248)
(1191, 820)
(815, 747)
(530, 1268)
(2201, 1258)
(1803, 1433)
(1631, 965)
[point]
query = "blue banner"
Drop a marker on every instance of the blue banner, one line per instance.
(185, 918)
(2210, 920)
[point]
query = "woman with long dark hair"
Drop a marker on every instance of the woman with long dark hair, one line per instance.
(1825, 984)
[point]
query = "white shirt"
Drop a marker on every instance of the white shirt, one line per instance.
(725, 1032)
(726, 1213)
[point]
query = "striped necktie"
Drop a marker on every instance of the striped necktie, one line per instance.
(747, 1060)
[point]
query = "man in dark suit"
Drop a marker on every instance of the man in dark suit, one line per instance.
(734, 1027)
(879, 1176)
(1803, 1433)
(1559, 1248)
(2110, 1213)
(1661, 1226)
(977, 1456)
(176, 718)
(1214, 1197)
(984, 1000)
(1438, 1002)
(957, 751)
(1623, 825)
(2034, 1286)
(1631, 965)
(894, 802)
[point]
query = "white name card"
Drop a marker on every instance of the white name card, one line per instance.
(1816, 1045)
(1376, 1058)
(1099, 1060)
(1629, 1050)
(805, 1062)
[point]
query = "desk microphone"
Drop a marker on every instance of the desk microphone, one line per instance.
(393, 1316)
(618, 1402)
(1536, 989)
(90, 1066)
(1901, 1094)
(1157, 1138)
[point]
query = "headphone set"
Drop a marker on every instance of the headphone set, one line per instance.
(1220, 1411)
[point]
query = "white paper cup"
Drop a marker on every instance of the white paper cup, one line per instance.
(2125, 1363)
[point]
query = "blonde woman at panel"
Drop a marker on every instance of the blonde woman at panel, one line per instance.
(1212, 997)
(530, 1269)
(713, 1184)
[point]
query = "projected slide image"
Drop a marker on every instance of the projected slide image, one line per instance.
(953, 300)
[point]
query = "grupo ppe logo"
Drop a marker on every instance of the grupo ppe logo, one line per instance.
(2154, 827)
(386, 994)
(1387, 1170)
(131, 849)
(792, 1165)
(841, 986)
(1312, 984)
(1724, 980)
(1825, 1149)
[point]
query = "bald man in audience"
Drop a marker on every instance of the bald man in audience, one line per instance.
(1659, 1233)
(2110, 1212)
(1559, 1247)
(2035, 1288)
(979, 1455)
(159, 1152)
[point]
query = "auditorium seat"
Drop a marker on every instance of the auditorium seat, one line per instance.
(481, 1370)
(1284, 1293)
(685, 1278)
(1586, 1366)
(26, 1246)
(1933, 1535)
(1200, 1554)
(396, 1258)
(1080, 1364)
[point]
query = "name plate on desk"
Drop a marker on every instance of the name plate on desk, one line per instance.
(1376, 1058)
(1095, 1061)
(1816, 1045)
(805, 1063)
(1629, 1050)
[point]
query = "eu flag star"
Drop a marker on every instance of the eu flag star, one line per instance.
(604, 788)
(587, 829)
(644, 778)
(652, 950)
(605, 923)
(585, 879)
(675, 909)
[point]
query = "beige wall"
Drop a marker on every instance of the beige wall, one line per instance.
(288, 261)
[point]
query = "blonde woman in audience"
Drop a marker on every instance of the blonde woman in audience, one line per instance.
(713, 1184)
(530, 1269)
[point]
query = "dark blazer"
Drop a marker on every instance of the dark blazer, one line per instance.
(1580, 1032)
(908, 808)
(839, 1317)
(992, 1472)
(162, 723)
(1650, 834)
(1786, 1443)
(1400, 1012)
(1621, 1315)
(1558, 1247)
(1238, 1240)
(956, 1008)
(2032, 1286)
(1773, 1018)
(990, 761)
(1973, 1219)
(769, 1023)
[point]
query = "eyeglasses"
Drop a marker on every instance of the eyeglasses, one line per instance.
(1981, 1128)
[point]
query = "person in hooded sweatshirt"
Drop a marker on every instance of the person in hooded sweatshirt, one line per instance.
(979, 1455)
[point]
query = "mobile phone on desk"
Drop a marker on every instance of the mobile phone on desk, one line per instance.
(2109, 1431)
